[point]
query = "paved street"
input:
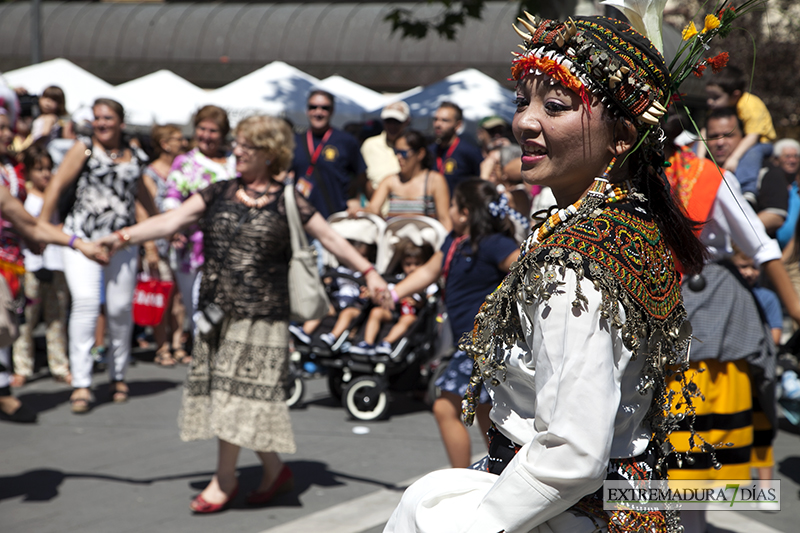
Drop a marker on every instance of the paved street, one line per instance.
(122, 468)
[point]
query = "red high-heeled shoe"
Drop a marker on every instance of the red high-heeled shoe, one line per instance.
(200, 506)
(283, 483)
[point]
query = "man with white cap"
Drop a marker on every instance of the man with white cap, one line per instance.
(378, 151)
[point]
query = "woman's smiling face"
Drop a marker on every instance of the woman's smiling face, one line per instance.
(565, 145)
(107, 125)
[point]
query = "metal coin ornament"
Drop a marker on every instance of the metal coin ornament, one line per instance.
(697, 283)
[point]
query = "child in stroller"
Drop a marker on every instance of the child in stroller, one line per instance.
(407, 257)
(348, 297)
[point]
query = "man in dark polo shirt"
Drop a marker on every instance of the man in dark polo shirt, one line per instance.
(327, 162)
(455, 158)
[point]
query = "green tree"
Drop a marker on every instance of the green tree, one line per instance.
(452, 16)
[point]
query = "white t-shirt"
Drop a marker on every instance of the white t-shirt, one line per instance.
(51, 258)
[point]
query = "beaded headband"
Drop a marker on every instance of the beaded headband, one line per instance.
(598, 55)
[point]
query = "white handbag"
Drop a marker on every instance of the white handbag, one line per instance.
(307, 297)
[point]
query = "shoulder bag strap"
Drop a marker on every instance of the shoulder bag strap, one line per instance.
(297, 234)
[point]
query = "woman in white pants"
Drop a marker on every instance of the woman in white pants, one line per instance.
(108, 173)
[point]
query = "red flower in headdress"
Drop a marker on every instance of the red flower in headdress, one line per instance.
(698, 70)
(718, 62)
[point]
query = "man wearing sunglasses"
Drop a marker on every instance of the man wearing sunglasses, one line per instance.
(723, 134)
(454, 158)
(327, 162)
(378, 151)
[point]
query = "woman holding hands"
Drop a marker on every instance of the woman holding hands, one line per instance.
(108, 172)
(235, 388)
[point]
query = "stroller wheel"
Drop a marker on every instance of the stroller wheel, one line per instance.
(365, 398)
(296, 391)
(335, 383)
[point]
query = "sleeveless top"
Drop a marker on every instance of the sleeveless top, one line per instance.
(422, 205)
(105, 195)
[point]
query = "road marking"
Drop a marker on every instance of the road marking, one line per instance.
(358, 514)
(374, 509)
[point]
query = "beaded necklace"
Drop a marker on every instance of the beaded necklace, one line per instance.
(601, 189)
(258, 203)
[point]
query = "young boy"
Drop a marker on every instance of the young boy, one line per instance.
(727, 89)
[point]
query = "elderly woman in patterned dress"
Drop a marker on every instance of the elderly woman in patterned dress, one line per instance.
(235, 389)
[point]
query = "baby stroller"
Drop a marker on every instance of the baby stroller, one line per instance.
(367, 379)
(309, 354)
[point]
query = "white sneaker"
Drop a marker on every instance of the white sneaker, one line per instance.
(362, 348)
(328, 339)
(383, 348)
(299, 334)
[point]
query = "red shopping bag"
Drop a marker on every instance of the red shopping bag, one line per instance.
(150, 300)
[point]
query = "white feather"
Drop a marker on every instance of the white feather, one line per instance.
(646, 16)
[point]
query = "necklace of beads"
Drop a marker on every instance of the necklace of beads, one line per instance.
(600, 189)
(258, 203)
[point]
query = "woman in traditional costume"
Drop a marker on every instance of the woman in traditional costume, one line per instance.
(577, 344)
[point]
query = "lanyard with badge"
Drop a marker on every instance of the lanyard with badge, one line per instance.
(315, 153)
(440, 161)
(306, 184)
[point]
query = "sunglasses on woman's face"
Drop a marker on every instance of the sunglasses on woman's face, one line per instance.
(402, 153)
(312, 107)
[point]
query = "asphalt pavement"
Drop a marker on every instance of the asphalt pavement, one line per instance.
(122, 468)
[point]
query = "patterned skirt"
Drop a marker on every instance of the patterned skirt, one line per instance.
(236, 388)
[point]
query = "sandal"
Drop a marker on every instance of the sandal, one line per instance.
(119, 392)
(80, 403)
(182, 356)
(164, 358)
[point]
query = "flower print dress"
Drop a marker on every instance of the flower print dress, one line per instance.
(192, 172)
(105, 196)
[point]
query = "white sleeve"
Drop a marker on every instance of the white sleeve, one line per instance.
(747, 230)
(578, 367)
(577, 378)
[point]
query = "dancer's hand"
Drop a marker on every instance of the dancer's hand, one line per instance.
(111, 244)
(376, 283)
(386, 300)
(94, 251)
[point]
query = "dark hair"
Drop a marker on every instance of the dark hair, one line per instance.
(215, 114)
(729, 79)
(416, 141)
(160, 133)
(113, 105)
(474, 195)
(405, 247)
(326, 94)
(57, 95)
(725, 112)
(35, 154)
(454, 107)
(679, 231)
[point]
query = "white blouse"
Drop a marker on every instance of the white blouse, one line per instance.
(570, 399)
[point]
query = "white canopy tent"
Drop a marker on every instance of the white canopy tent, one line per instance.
(162, 97)
(342, 87)
(477, 94)
(81, 88)
(281, 90)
